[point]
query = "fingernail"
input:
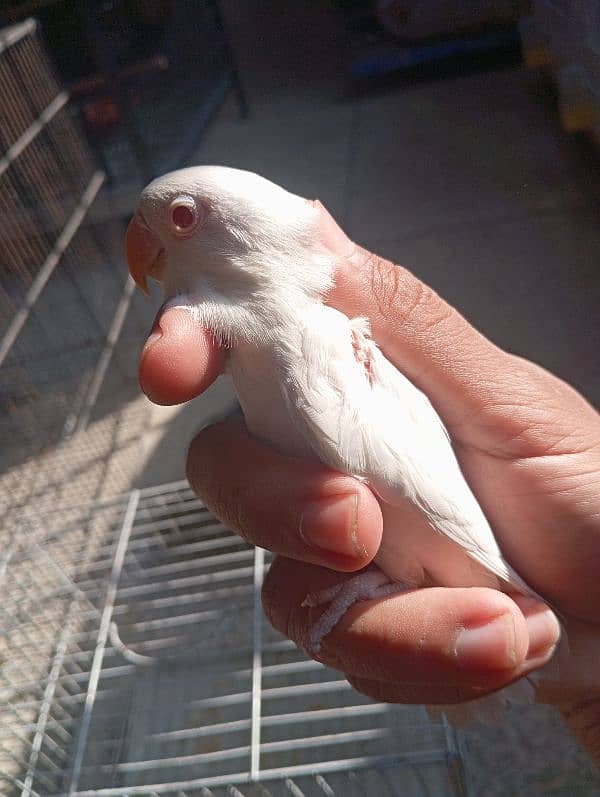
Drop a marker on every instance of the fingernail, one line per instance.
(330, 524)
(542, 625)
(491, 646)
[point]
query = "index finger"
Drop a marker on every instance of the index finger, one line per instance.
(486, 396)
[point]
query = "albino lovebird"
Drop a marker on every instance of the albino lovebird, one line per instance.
(243, 255)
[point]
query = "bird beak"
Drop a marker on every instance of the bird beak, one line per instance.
(142, 249)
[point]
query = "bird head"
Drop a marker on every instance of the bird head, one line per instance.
(227, 238)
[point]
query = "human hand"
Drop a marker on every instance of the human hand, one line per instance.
(528, 444)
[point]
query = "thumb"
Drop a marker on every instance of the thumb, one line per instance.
(486, 396)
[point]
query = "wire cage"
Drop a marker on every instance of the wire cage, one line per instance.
(134, 658)
(163, 92)
(136, 661)
(146, 79)
(64, 296)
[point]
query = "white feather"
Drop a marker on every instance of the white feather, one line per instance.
(360, 415)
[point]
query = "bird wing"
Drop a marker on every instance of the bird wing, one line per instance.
(361, 416)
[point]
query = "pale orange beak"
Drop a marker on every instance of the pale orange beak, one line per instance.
(142, 249)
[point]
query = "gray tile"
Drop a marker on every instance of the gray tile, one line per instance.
(171, 429)
(290, 54)
(459, 151)
(531, 284)
(306, 151)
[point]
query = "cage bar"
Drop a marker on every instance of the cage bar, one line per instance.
(143, 701)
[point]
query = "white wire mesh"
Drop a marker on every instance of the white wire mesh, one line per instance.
(132, 664)
(63, 291)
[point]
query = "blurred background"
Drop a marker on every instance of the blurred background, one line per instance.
(459, 139)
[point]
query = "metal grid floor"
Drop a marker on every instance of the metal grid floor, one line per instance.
(134, 660)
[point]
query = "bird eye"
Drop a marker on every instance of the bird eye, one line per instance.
(184, 216)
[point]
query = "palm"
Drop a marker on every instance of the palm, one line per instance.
(528, 444)
(547, 535)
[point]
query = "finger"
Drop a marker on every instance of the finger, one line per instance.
(180, 359)
(291, 506)
(455, 641)
(430, 694)
(582, 715)
(485, 395)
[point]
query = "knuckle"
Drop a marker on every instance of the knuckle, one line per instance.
(385, 283)
(402, 299)
(421, 306)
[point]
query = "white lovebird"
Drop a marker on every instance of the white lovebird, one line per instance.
(244, 256)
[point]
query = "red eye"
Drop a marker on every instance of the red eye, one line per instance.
(184, 216)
